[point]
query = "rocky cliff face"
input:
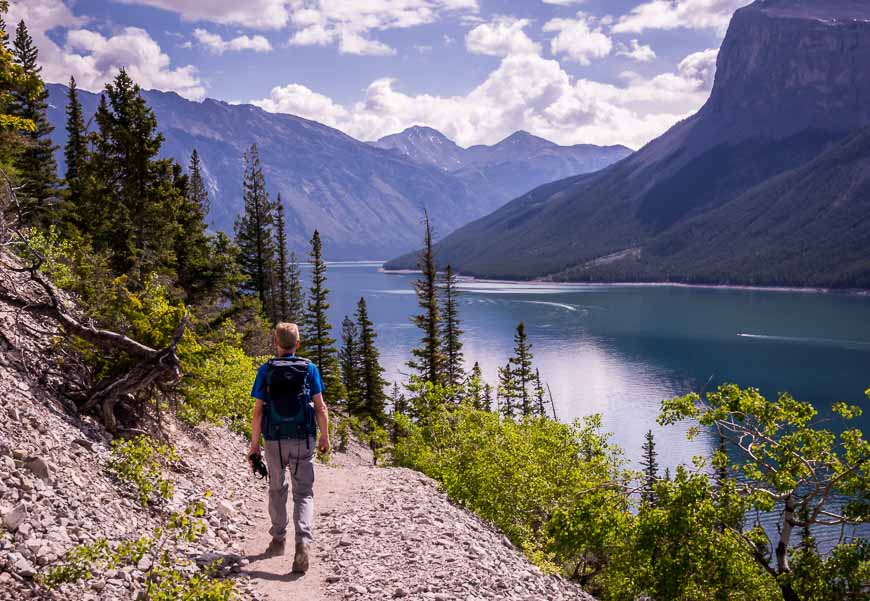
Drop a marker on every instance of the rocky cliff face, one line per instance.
(791, 86)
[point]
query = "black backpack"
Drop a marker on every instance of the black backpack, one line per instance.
(289, 412)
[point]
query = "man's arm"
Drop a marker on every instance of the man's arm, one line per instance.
(321, 414)
(256, 427)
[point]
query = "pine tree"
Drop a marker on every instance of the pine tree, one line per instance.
(200, 273)
(650, 469)
(474, 387)
(540, 406)
(318, 344)
(197, 191)
(295, 294)
(428, 359)
(282, 270)
(254, 234)
(400, 402)
(507, 392)
(373, 384)
(521, 364)
(487, 397)
(349, 360)
(76, 150)
(35, 164)
(451, 332)
(131, 203)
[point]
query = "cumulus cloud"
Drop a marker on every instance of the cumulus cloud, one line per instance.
(673, 14)
(579, 40)
(256, 14)
(93, 59)
(526, 91)
(217, 45)
(350, 24)
(636, 51)
(501, 37)
(297, 99)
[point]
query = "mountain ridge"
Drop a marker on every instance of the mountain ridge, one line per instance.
(787, 91)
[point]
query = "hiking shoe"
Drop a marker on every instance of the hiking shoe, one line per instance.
(276, 547)
(300, 561)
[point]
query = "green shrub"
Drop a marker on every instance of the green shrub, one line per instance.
(169, 577)
(142, 462)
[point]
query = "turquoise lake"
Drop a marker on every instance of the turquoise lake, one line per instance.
(619, 350)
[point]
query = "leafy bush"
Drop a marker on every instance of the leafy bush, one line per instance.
(141, 462)
(169, 576)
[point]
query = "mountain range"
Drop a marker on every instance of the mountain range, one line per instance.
(367, 201)
(768, 184)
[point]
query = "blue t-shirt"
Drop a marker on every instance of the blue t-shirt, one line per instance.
(315, 384)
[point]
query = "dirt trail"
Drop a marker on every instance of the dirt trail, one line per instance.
(388, 533)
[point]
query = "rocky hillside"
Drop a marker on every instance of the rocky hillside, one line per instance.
(507, 169)
(382, 533)
(788, 99)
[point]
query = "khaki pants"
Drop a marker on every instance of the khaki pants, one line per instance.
(297, 457)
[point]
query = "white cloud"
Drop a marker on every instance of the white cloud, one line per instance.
(93, 58)
(636, 51)
(673, 14)
(217, 45)
(502, 37)
(563, 2)
(351, 23)
(526, 91)
(257, 14)
(299, 100)
(579, 39)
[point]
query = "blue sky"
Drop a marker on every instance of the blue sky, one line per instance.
(574, 71)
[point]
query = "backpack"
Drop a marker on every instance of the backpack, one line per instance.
(289, 413)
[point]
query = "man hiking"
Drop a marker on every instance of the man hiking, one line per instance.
(289, 410)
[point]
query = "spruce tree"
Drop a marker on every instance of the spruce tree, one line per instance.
(650, 469)
(521, 366)
(540, 405)
(295, 294)
(318, 344)
(400, 403)
(197, 191)
(474, 387)
(254, 234)
(373, 384)
(349, 360)
(487, 397)
(35, 164)
(428, 359)
(282, 289)
(198, 268)
(451, 332)
(507, 392)
(76, 150)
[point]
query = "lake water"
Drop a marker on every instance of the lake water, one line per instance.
(620, 350)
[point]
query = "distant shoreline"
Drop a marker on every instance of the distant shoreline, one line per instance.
(540, 282)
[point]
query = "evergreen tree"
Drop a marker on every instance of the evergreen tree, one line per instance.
(650, 469)
(282, 271)
(295, 294)
(351, 368)
(197, 191)
(201, 272)
(374, 396)
(318, 344)
(451, 332)
(508, 392)
(14, 83)
(521, 368)
(76, 150)
(540, 405)
(487, 397)
(131, 204)
(428, 359)
(400, 402)
(474, 387)
(254, 234)
(35, 164)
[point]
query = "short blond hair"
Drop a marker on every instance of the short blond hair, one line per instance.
(287, 335)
